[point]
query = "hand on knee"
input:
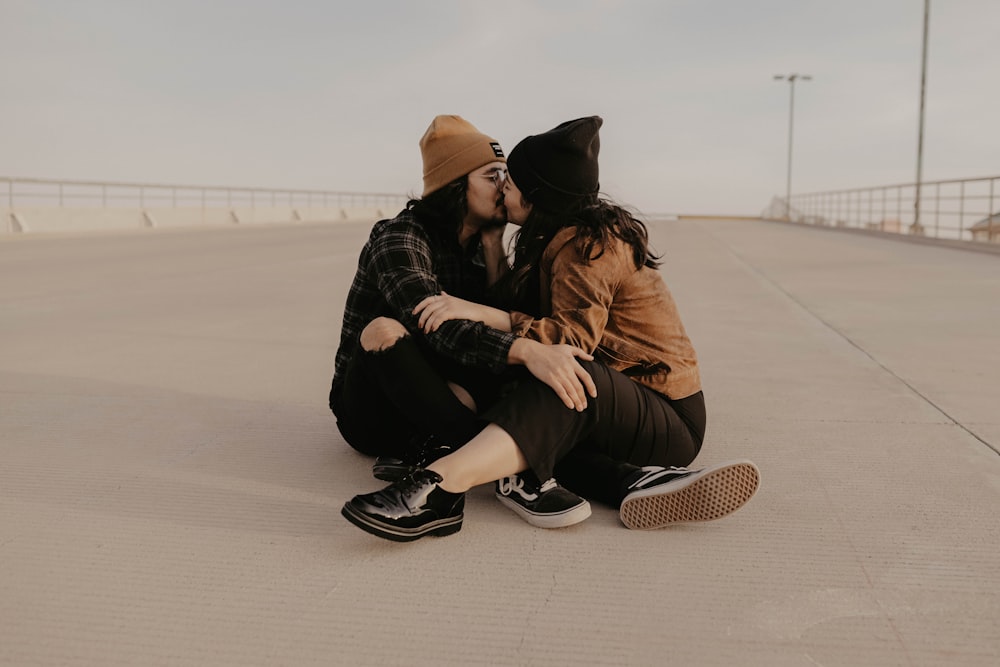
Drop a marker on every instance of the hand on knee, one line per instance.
(381, 333)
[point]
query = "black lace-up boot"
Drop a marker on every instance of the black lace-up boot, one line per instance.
(408, 509)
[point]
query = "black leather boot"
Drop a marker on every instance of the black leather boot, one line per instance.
(408, 509)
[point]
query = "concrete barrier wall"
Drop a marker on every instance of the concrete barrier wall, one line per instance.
(263, 214)
(186, 217)
(79, 219)
(328, 214)
(40, 220)
(360, 213)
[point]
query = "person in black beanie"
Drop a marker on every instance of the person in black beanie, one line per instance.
(583, 275)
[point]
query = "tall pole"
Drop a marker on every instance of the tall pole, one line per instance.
(791, 123)
(920, 130)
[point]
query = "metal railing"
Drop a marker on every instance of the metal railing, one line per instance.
(965, 209)
(18, 193)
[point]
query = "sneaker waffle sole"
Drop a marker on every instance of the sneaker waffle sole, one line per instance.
(704, 496)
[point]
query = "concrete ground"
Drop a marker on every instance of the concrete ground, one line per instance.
(171, 479)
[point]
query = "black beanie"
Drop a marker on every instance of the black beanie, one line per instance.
(555, 169)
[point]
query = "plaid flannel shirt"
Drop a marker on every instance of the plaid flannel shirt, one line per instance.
(401, 264)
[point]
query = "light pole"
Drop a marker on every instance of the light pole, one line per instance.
(920, 131)
(791, 78)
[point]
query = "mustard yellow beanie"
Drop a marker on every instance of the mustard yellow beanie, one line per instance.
(451, 148)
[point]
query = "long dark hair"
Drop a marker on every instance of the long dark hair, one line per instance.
(598, 221)
(443, 210)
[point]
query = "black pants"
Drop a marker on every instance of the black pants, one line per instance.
(394, 398)
(591, 452)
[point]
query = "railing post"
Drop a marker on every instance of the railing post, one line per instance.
(883, 203)
(871, 205)
(989, 213)
(961, 209)
(937, 209)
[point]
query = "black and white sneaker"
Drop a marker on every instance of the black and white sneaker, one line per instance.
(658, 497)
(546, 505)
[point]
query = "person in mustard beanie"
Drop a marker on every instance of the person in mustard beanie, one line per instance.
(408, 397)
(584, 275)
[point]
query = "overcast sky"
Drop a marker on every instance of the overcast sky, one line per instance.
(335, 95)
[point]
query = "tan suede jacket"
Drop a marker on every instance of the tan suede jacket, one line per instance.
(625, 317)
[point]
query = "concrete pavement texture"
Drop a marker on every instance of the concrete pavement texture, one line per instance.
(171, 477)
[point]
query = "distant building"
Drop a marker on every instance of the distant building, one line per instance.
(987, 229)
